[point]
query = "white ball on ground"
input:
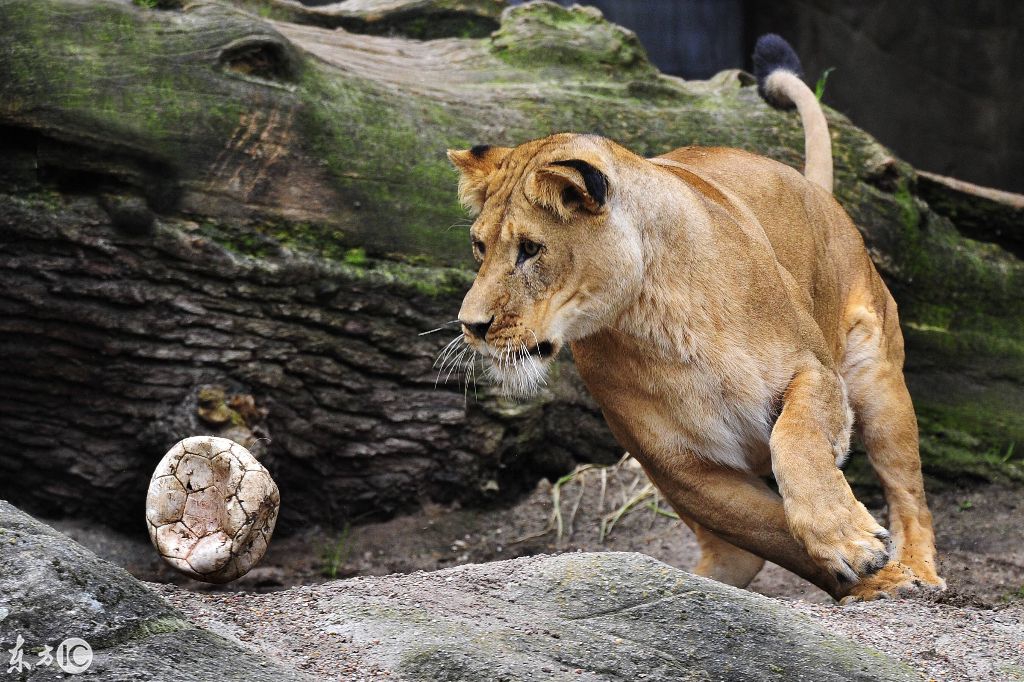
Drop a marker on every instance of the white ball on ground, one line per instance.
(211, 509)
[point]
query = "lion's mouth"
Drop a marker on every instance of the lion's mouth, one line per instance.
(520, 370)
(544, 349)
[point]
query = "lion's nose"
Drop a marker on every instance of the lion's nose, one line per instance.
(477, 329)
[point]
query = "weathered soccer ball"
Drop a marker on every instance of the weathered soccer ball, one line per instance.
(211, 509)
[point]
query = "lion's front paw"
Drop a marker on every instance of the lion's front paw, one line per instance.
(894, 581)
(846, 541)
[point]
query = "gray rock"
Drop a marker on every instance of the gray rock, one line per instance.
(52, 588)
(583, 616)
(615, 616)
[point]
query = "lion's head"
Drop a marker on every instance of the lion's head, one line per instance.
(559, 255)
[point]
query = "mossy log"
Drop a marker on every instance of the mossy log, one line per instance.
(233, 196)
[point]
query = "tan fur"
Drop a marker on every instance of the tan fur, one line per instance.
(786, 85)
(724, 313)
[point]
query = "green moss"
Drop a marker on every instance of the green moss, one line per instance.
(283, 240)
(995, 351)
(963, 322)
(109, 67)
(1015, 595)
(36, 202)
(403, 187)
(910, 214)
(546, 35)
(945, 280)
(948, 457)
(433, 282)
(269, 10)
(239, 239)
(356, 257)
(972, 437)
(982, 422)
(930, 316)
(965, 366)
(325, 241)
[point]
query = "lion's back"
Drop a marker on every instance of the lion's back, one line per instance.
(812, 236)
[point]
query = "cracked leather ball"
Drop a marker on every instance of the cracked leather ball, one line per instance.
(211, 509)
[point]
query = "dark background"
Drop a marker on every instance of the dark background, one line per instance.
(939, 82)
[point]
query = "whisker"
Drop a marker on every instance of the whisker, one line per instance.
(455, 363)
(536, 374)
(443, 356)
(472, 375)
(453, 356)
(446, 350)
(452, 346)
(467, 373)
(431, 331)
(526, 367)
(449, 362)
(529, 369)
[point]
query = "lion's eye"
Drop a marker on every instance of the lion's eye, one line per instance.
(478, 248)
(527, 250)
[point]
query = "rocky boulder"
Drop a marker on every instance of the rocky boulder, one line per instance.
(52, 589)
(581, 616)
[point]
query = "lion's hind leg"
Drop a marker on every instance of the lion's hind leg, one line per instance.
(872, 369)
(721, 560)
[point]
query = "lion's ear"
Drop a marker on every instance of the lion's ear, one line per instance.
(475, 168)
(566, 187)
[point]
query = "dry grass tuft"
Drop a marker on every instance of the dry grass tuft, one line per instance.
(624, 489)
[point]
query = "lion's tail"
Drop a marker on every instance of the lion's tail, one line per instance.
(778, 81)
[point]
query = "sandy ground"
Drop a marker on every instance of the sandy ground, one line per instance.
(973, 631)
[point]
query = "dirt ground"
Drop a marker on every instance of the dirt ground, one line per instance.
(979, 536)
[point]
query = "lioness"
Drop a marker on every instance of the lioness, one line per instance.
(724, 313)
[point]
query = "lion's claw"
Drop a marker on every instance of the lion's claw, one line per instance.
(893, 581)
(886, 538)
(873, 563)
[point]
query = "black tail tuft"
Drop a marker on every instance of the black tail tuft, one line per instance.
(772, 53)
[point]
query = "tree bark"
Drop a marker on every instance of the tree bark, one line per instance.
(114, 347)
